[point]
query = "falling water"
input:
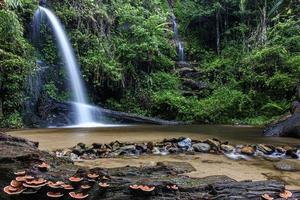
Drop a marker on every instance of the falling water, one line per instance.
(83, 112)
(179, 43)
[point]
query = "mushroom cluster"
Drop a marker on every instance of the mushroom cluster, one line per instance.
(284, 195)
(141, 189)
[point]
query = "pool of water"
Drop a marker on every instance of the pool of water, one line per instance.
(55, 138)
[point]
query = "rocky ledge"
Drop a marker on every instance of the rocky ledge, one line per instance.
(30, 174)
(176, 146)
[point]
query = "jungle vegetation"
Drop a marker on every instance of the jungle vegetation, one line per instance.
(243, 61)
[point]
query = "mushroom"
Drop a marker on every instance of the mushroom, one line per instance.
(267, 197)
(286, 194)
(135, 187)
(55, 185)
(15, 184)
(43, 167)
(37, 181)
(54, 194)
(172, 187)
(67, 187)
(93, 176)
(85, 187)
(147, 188)
(24, 178)
(75, 179)
(103, 185)
(75, 195)
(20, 173)
(13, 191)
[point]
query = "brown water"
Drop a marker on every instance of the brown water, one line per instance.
(56, 138)
(205, 164)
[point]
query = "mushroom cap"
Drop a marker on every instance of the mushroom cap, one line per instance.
(172, 187)
(286, 194)
(85, 187)
(20, 173)
(33, 186)
(67, 187)
(38, 181)
(93, 176)
(267, 197)
(54, 194)
(55, 185)
(43, 166)
(75, 195)
(135, 187)
(146, 188)
(103, 185)
(75, 179)
(24, 178)
(15, 184)
(12, 191)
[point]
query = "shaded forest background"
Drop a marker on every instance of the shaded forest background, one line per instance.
(243, 57)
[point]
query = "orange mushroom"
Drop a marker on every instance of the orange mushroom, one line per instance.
(135, 187)
(55, 185)
(85, 187)
(20, 173)
(24, 178)
(172, 187)
(267, 197)
(37, 181)
(68, 187)
(286, 194)
(75, 179)
(15, 184)
(43, 167)
(103, 185)
(93, 176)
(13, 191)
(147, 188)
(75, 195)
(54, 194)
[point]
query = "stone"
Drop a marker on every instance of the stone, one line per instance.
(288, 165)
(150, 146)
(266, 149)
(97, 145)
(186, 143)
(201, 147)
(292, 153)
(227, 148)
(78, 151)
(214, 143)
(280, 149)
(81, 145)
(248, 150)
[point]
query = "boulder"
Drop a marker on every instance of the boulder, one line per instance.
(227, 148)
(201, 147)
(288, 127)
(248, 150)
(266, 149)
(288, 165)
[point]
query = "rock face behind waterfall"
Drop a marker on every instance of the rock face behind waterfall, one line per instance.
(287, 127)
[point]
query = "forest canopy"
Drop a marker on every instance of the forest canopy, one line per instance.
(242, 57)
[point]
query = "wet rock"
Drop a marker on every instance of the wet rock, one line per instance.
(288, 165)
(115, 145)
(185, 143)
(214, 143)
(201, 147)
(227, 148)
(266, 149)
(280, 150)
(81, 145)
(78, 151)
(97, 145)
(150, 146)
(173, 150)
(292, 153)
(248, 150)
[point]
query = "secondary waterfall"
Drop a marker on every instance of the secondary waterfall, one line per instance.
(179, 43)
(82, 109)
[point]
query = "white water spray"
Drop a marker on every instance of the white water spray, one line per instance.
(83, 111)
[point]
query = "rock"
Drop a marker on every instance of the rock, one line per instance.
(97, 145)
(201, 147)
(288, 127)
(115, 145)
(186, 143)
(266, 149)
(292, 153)
(214, 143)
(248, 150)
(81, 145)
(288, 165)
(174, 150)
(78, 151)
(150, 146)
(227, 148)
(280, 149)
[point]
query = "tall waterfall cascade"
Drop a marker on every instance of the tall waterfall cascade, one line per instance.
(83, 111)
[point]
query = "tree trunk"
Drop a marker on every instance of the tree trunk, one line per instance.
(1, 109)
(263, 37)
(218, 31)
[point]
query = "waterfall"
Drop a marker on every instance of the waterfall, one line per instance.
(82, 109)
(179, 44)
